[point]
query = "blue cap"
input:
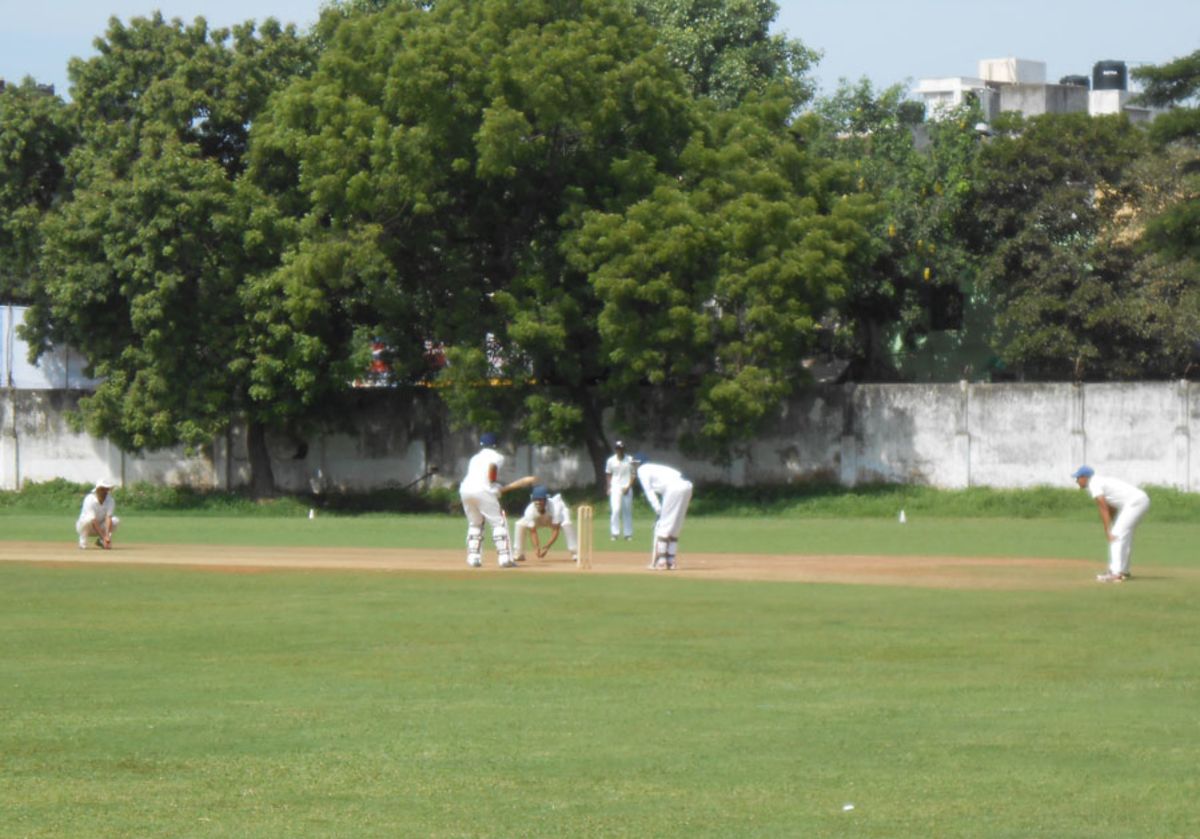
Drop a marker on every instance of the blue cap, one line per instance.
(640, 458)
(540, 493)
(487, 438)
(1083, 472)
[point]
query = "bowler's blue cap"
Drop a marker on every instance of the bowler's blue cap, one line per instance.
(487, 438)
(1083, 472)
(540, 493)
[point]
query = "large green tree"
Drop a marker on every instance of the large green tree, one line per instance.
(145, 255)
(36, 134)
(1059, 261)
(448, 168)
(435, 160)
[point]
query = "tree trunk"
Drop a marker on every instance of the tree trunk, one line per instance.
(262, 477)
(593, 436)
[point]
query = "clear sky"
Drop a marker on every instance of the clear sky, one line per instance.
(888, 41)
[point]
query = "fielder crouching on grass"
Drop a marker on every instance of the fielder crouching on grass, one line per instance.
(546, 510)
(675, 490)
(1121, 506)
(480, 492)
(96, 519)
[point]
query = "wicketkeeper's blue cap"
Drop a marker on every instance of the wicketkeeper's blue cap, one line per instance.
(641, 458)
(487, 438)
(1083, 472)
(540, 493)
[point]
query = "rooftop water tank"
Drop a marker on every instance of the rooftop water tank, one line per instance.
(1075, 81)
(1110, 75)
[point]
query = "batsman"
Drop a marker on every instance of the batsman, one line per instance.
(480, 492)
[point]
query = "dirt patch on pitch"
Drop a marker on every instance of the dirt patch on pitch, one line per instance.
(922, 571)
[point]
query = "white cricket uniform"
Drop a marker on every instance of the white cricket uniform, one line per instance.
(94, 512)
(669, 493)
(557, 514)
(481, 502)
(1131, 504)
(620, 498)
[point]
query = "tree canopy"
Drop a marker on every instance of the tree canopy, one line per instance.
(36, 134)
(1175, 231)
(144, 255)
(727, 50)
(714, 284)
(914, 275)
(1059, 264)
(452, 170)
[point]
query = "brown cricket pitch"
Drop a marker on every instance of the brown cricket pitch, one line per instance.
(1015, 573)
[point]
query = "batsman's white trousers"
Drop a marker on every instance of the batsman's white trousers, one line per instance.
(675, 502)
(480, 506)
(483, 505)
(1122, 529)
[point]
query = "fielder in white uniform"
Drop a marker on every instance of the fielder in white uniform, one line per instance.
(669, 493)
(546, 510)
(480, 492)
(1121, 506)
(96, 517)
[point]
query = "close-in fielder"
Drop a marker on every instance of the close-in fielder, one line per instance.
(480, 492)
(1121, 506)
(96, 519)
(545, 510)
(669, 493)
(618, 475)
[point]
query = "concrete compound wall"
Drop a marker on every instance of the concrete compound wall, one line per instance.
(58, 368)
(945, 435)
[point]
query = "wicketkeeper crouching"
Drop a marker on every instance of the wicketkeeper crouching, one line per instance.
(546, 510)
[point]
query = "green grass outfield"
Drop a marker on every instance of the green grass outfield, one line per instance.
(174, 702)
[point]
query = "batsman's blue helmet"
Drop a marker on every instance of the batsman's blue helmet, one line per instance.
(487, 438)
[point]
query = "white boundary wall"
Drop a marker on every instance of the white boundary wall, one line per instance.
(950, 436)
(59, 368)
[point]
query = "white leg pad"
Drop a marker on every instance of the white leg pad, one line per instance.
(474, 544)
(500, 539)
(661, 555)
